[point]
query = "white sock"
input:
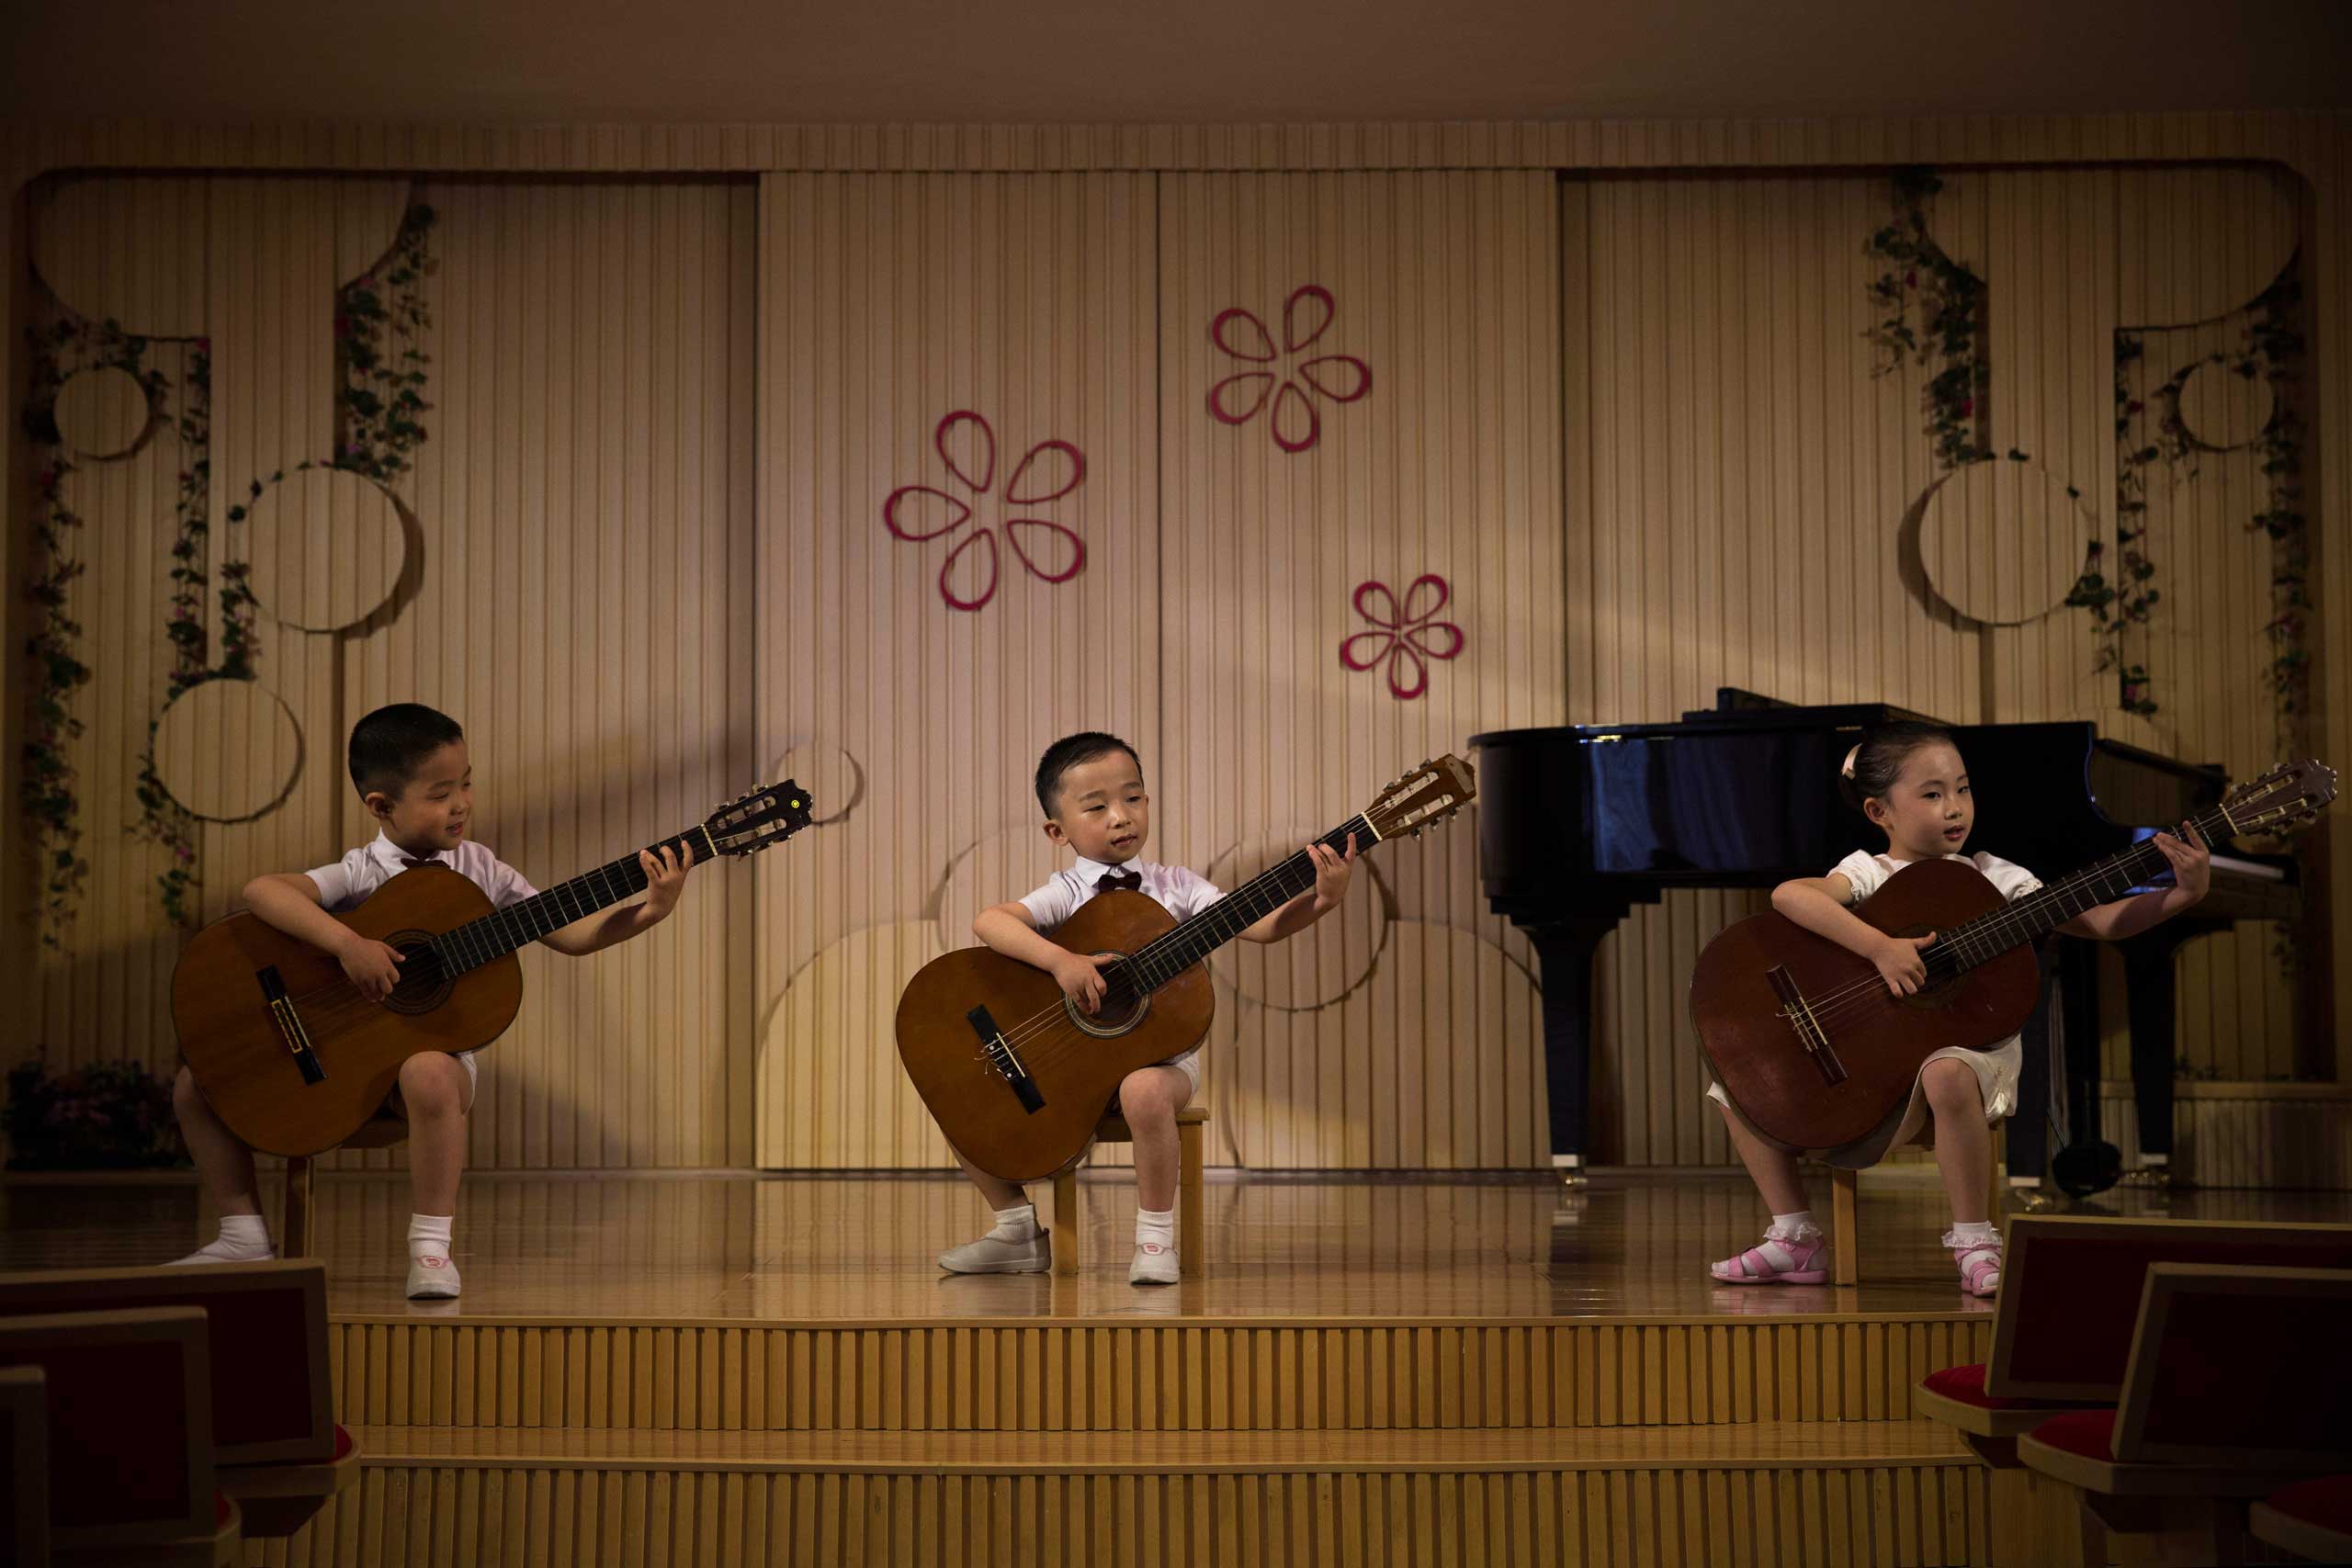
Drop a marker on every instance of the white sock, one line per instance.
(428, 1234)
(1156, 1225)
(1972, 1233)
(2154, 1162)
(1797, 1227)
(244, 1238)
(1016, 1223)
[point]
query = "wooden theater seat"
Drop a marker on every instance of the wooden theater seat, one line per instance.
(128, 1411)
(275, 1443)
(24, 1440)
(2061, 1329)
(2311, 1519)
(2233, 1389)
(1191, 1228)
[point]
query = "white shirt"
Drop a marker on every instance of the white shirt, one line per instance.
(1868, 873)
(1181, 892)
(344, 883)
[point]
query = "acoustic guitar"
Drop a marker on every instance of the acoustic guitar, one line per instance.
(1817, 1053)
(294, 1058)
(1017, 1074)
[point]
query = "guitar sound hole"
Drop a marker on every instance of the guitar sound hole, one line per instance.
(423, 987)
(1935, 993)
(1122, 1008)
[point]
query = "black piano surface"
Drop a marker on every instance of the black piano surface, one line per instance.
(1580, 822)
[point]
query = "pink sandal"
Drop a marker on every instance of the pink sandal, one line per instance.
(1980, 1263)
(1808, 1261)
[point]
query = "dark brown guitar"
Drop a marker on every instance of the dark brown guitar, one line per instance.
(1815, 1053)
(1017, 1076)
(294, 1058)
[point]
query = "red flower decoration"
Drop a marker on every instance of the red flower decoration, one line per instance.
(1404, 637)
(1296, 422)
(967, 444)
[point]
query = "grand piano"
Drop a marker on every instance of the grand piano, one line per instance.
(1580, 823)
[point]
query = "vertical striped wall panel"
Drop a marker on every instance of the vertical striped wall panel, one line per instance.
(1707, 313)
(889, 303)
(1443, 286)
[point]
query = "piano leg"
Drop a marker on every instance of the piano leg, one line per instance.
(1564, 949)
(2030, 1128)
(2155, 1040)
(2087, 1163)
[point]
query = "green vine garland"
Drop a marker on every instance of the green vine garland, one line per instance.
(48, 793)
(1916, 278)
(379, 322)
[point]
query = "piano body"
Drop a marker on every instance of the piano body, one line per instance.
(1580, 823)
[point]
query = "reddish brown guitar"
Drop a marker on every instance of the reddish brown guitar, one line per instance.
(294, 1058)
(1018, 1077)
(1814, 1051)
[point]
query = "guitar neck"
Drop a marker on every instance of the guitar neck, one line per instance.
(495, 935)
(1170, 953)
(2039, 913)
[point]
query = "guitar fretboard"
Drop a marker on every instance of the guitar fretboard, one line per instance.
(1172, 953)
(495, 935)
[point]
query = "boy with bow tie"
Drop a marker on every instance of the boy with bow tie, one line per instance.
(1091, 788)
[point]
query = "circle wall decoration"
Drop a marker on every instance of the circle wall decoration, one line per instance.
(833, 778)
(327, 547)
(227, 750)
(2003, 541)
(1321, 964)
(2223, 410)
(102, 412)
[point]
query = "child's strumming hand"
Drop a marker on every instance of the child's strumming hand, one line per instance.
(1332, 871)
(1079, 974)
(2192, 862)
(664, 878)
(373, 966)
(1899, 962)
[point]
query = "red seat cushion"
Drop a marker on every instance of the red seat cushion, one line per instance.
(2326, 1502)
(342, 1440)
(1966, 1384)
(2090, 1433)
(220, 1510)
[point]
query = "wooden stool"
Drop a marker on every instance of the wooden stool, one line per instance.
(1846, 1235)
(381, 1131)
(1192, 1225)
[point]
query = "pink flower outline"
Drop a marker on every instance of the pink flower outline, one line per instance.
(1397, 638)
(959, 512)
(1337, 378)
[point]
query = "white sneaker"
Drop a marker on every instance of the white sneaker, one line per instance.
(994, 1255)
(431, 1279)
(1154, 1265)
(220, 1250)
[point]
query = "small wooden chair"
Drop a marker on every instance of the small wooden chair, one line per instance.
(1192, 1223)
(294, 1239)
(275, 1445)
(128, 1422)
(1845, 1227)
(23, 1495)
(2311, 1518)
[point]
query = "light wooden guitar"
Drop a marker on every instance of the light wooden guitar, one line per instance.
(1018, 1076)
(294, 1058)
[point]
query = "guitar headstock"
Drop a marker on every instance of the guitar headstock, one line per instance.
(1422, 797)
(751, 821)
(2292, 792)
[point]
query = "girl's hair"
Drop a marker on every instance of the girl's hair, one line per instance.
(1871, 768)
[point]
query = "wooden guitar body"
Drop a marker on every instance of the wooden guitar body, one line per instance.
(1075, 1062)
(236, 1042)
(1877, 1039)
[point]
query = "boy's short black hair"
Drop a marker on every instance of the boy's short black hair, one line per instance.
(1068, 753)
(391, 744)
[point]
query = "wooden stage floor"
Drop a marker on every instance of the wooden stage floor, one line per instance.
(738, 1248)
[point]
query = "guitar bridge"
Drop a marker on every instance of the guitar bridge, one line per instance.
(999, 1055)
(1800, 1017)
(290, 1024)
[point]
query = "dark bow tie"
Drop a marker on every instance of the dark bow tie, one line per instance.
(408, 861)
(1114, 881)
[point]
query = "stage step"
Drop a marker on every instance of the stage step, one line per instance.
(1884, 1492)
(1192, 1375)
